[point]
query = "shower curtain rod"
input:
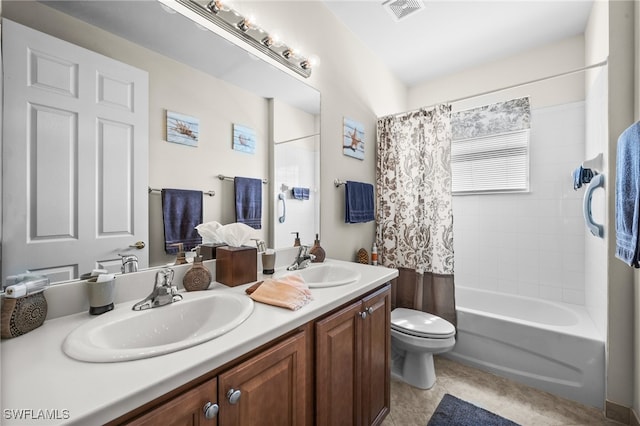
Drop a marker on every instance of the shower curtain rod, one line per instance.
(296, 139)
(513, 86)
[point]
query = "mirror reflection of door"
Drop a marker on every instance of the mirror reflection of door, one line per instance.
(296, 167)
(75, 163)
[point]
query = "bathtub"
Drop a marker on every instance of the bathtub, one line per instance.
(551, 346)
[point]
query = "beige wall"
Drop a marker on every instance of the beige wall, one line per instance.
(351, 81)
(620, 365)
(527, 66)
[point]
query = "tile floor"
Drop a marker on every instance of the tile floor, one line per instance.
(521, 404)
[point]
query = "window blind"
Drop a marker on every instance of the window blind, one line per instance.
(492, 163)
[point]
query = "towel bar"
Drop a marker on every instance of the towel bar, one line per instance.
(223, 177)
(209, 193)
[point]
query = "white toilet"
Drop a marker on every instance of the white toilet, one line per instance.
(415, 337)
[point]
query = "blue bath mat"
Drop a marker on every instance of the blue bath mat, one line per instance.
(452, 411)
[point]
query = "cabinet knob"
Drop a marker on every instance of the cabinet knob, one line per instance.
(233, 396)
(363, 314)
(370, 310)
(210, 410)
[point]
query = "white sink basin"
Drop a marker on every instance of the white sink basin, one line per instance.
(124, 334)
(318, 275)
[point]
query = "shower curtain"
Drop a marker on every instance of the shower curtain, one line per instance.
(414, 226)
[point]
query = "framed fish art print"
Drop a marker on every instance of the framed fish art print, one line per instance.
(244, 139)
(182, 129)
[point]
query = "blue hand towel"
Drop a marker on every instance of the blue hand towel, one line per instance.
(628, 195)
(181, 213)
(358, 202)
(248, 201)
(300, 193)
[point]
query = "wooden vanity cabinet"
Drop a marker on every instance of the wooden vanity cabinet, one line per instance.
(186, 409)
(272, 387)
(353, 363)
(269, 388)
(351, 373)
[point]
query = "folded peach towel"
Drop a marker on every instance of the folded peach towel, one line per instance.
(289, 292)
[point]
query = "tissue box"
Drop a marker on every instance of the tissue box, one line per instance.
(236, 265)
(208, 251)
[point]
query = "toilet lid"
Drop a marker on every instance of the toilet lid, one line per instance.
(421, 324)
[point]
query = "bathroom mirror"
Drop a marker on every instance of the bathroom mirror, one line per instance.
(200, 55)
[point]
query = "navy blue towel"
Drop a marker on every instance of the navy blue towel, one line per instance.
(627, 214)
(181, 213)
(300, 193)
(248, 201)
(358, 202)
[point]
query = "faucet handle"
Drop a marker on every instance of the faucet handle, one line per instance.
(164, 277)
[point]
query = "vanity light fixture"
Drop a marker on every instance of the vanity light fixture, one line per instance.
(267, 41)
(244, 25)
(214, 6)
(220, 14)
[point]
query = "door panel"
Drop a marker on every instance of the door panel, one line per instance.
(75, 154)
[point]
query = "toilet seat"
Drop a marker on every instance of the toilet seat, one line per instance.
(421, 324)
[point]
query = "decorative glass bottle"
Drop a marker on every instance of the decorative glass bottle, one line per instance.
(317, 251)
(197, 277)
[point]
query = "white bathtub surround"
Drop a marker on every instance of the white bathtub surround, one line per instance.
(547, 345)
(530, 244)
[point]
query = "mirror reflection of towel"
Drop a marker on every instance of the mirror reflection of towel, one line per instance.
(248, 201)
(181, 213)
(300, 193)
(358, 202)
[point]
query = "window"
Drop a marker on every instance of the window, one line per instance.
(495, 163)
(490, 148)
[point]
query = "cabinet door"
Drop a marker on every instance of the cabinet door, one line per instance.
(376, 366)
(184, 410)
(338, 383)
(272, 387)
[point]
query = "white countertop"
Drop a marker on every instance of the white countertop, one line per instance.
(39, 381)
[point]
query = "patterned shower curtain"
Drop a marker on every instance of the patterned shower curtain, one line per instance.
(414, 228)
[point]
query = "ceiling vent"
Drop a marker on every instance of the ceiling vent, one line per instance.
(400, 9)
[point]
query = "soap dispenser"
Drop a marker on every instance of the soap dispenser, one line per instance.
(317, 251)
(296, 243)
(181, 259)
(197, 277)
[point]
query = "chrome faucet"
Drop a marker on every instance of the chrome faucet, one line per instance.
(129, 263)
(164, 292)
(302, 260)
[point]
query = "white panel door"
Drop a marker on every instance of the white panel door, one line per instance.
(75, 160)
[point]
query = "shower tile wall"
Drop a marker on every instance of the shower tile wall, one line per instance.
(531, 244)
